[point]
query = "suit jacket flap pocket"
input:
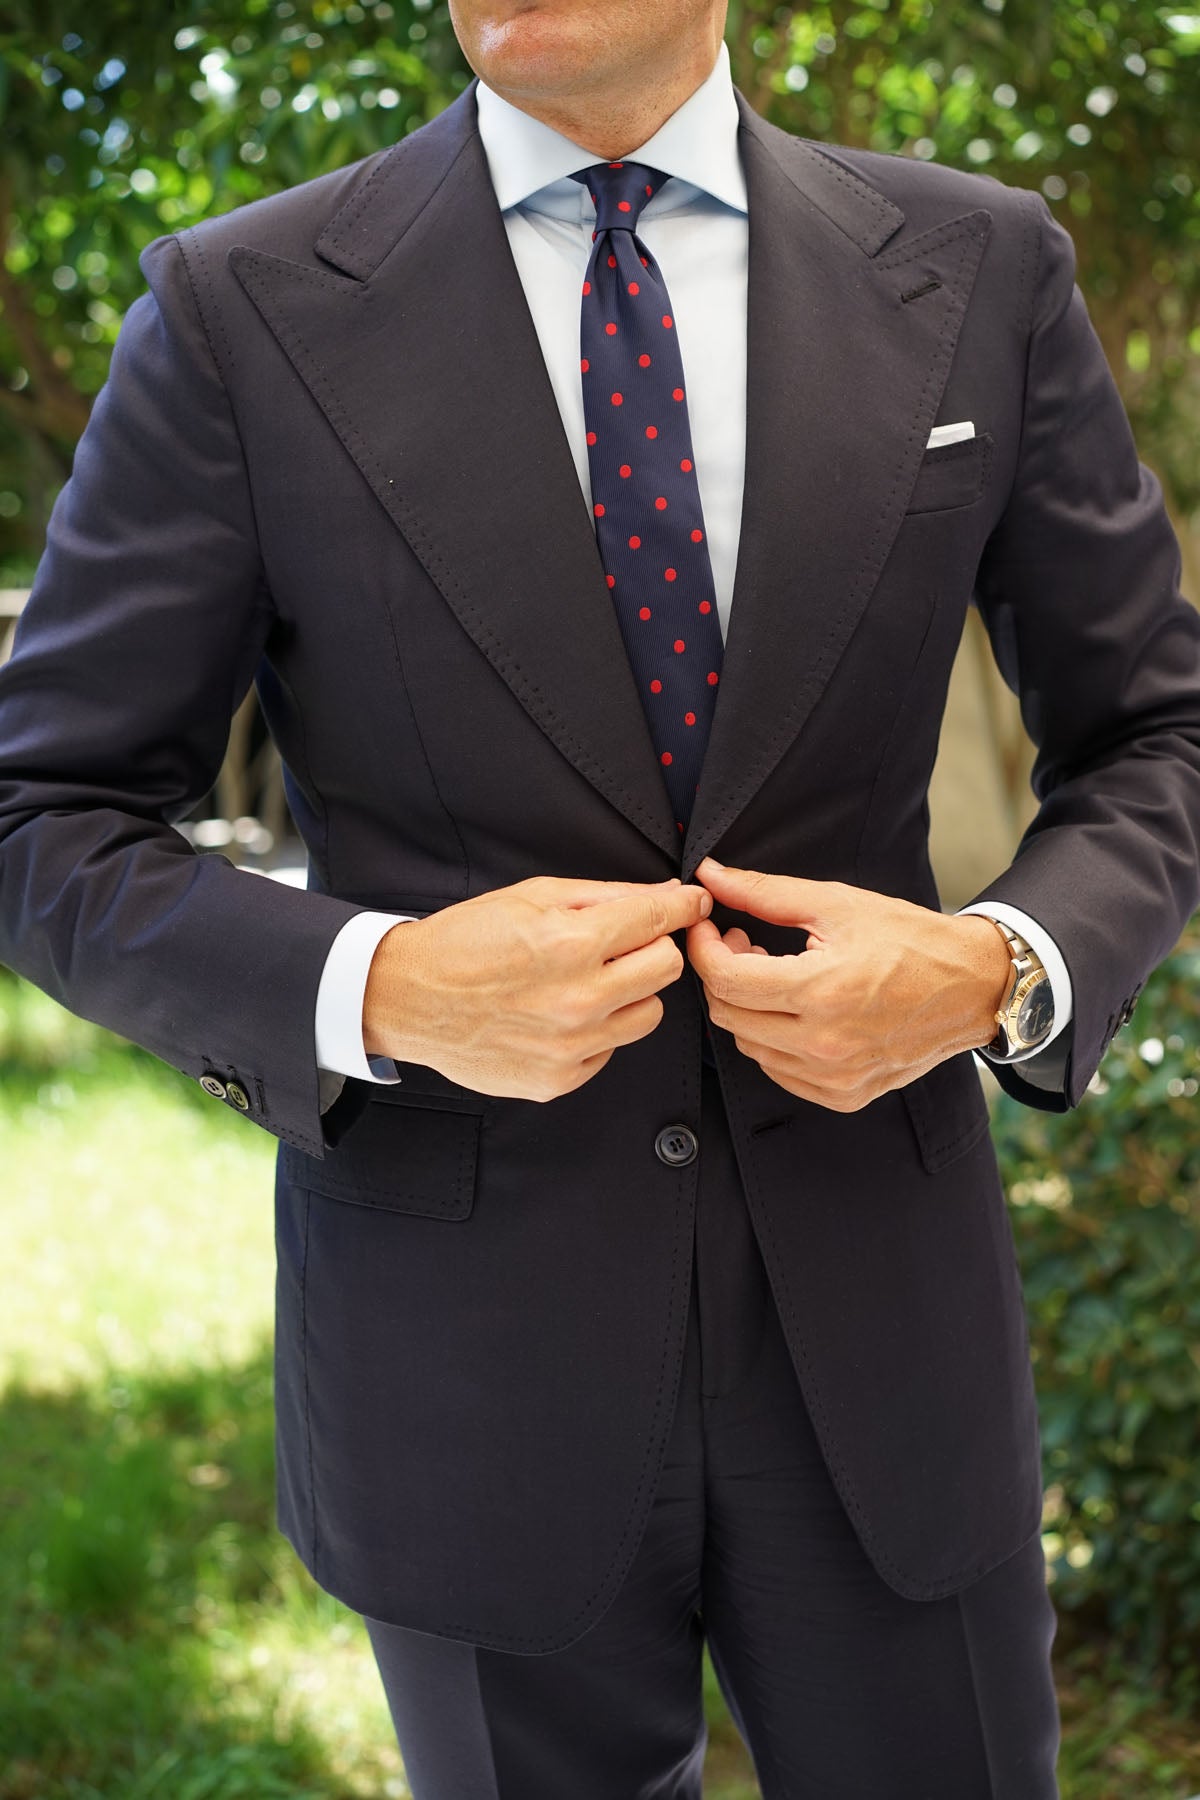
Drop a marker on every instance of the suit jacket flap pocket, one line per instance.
(948, 1110)
(405, 1159)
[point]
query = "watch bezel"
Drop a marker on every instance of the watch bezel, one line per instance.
(1016, 1005)
(1029, 973)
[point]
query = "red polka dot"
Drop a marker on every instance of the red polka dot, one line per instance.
(661, 503)
(677, 393)
(679, 822)
(689, 718)
(635, 543)
(667, 759)
(611, 580)
(598, 510)
(643, 361)
(617, 399)
(713, 678)
(656, 687)
(649, 190)
(668, 574)
(634, 288)
(591, 437)
(697, 537)
(612, 262)
(645, 264)
(643, 612)
(616, 165)
(585, 365)
(587, 287)
(668, 321)
(624, 206)
(652, 431)
(611, 329)
(686, 465)
(679, 646)
(706, 606)
(626, 470)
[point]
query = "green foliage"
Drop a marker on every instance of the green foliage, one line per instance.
(126, 121)
(137, 117)
(1106, 1213)
(1095, 104)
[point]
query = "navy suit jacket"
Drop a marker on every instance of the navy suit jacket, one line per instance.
(329, 459)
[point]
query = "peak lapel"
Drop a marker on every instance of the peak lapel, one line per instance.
(844, 380)
(424, 358)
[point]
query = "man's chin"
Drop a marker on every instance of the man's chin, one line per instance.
(538, 50)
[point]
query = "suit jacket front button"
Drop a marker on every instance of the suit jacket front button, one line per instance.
(676, 1145)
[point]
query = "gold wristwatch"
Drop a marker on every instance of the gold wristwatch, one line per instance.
(1026, 1014)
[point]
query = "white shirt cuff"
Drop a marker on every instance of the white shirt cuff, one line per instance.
(343, 985)
(1044, 947)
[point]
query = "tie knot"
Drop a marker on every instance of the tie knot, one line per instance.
(620, 190)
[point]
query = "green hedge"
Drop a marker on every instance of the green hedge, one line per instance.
(1105, 1204)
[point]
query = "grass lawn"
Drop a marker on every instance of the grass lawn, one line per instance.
(161, 1639)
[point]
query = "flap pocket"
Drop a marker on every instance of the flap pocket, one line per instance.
(948, 1110)
(952, 475)
(406, 1159)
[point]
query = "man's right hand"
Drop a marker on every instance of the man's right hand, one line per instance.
(527, 991)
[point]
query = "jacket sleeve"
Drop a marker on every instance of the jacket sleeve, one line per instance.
(148, 616)
(1079, 591)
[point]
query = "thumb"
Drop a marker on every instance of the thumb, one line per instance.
(783, 899)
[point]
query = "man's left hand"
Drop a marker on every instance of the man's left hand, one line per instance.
(883, 991)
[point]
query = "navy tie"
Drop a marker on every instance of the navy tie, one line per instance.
(645, 498)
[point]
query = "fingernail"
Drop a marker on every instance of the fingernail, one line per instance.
(714, 862)
(706, 905)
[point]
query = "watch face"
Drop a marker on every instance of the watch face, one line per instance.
(1037, 1015)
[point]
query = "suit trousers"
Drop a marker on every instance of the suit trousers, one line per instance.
(841, 1688)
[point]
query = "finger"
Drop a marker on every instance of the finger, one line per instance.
(558, 890)
(629, 1023)
(740, 944)
(768, 1032)
(589, 1066)
(646, 970)
(654, 912)
(766, 983)
(784, 899)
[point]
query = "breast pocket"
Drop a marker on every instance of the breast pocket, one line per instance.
(953, 475)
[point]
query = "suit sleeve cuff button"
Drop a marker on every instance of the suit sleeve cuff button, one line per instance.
(212, 1084)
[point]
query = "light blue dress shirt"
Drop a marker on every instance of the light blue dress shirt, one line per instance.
(697, 228)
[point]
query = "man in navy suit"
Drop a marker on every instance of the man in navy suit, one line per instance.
(645, 1277)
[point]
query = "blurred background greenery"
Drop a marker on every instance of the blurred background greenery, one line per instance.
(133, 117)
(160, 1638)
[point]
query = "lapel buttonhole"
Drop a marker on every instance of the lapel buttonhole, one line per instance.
(926, 287)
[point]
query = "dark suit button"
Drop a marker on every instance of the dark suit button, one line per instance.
(238, 1095)
(676, 1145)
(212, 1084)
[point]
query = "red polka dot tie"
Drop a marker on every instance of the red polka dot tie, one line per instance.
(646, 502)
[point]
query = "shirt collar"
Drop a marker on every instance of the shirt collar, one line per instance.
(529, 162)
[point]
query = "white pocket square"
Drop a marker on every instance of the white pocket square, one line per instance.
(950, 434)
